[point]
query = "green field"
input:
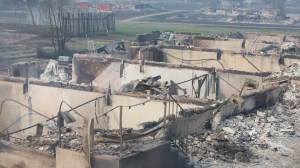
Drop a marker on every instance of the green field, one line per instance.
(127, 29)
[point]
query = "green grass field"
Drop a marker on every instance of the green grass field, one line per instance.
(127, 29)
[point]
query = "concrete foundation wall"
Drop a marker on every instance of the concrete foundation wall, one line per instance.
(254, 46)
(88, 68)
(196, 123)
(134, 116)
(233, 83)
(291, 60)
(262, 63)
(230, 60)
(46, 100)
(111, 75)
(105, 162)
(189, 125)
(67, 158)
(11, 112)
(226, 51)
(264, 37)
(152, 54)
(158, 156)
(13, 157)
(257, 41)
(43, 99)
(222, 44)
(133, 51)
(267, 97)
(184, 54)
(25, 70)
(132, 72)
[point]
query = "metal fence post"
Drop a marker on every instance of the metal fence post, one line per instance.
(165, 112)
(120, 127)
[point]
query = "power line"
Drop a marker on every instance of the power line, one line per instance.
(57, 116)
(76, 112)
(208, 59)
(229, 84)
(6, 100)
(129, 106)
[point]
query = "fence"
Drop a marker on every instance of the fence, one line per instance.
(81, 24)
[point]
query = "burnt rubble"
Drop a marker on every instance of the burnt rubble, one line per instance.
(240, 139)
(47, 143)
(106, 142)
(73, 140)
(291, 72)
(247, 137)
(149, 85)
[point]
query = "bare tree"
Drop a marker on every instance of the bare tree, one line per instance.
(27, 4)
(57, 23)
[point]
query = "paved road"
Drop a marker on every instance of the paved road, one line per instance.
(234, 25)
(163, 18)
(152, 15)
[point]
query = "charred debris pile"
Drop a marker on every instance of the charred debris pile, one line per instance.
(253, 137)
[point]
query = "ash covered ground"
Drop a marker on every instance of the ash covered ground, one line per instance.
(268, 137)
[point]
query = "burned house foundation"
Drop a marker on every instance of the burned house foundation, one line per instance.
(183, 103)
